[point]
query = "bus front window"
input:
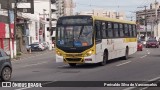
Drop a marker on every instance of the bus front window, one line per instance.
(75, 36)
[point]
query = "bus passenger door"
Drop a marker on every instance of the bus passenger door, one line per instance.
(98, 37)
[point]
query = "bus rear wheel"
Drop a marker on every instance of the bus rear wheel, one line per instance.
(72, 64)
(126, 54)
(105, 59)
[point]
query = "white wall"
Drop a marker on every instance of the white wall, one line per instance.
(33, 31)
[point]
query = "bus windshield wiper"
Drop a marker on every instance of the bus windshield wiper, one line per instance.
(81, 31)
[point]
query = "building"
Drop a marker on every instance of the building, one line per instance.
(150, 14)
(38, 23)
(64, 7)
(6, 40)
(104, 13)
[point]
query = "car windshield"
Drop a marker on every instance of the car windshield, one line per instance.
(75, 36)
(138, 41)
(152, 40)
(34, 44)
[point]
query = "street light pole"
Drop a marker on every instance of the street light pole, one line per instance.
(156, 3)
(145, 20)
(9, 25)
(15, 28)
(50, 25)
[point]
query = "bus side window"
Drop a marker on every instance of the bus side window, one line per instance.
(121, 30)
(103, 30)
(115, 27)
(126, 32)
(130, 31)
(134, 30)
(98, 31)
(110, 30)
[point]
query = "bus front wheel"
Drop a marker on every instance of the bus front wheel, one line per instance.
(72, 64)
(105, 59)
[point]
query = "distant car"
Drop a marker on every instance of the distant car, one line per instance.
(143, 42)
(5, 66)
(152, 43)
(36, 46)
(45, 44)
(159, 41)
(139, 46)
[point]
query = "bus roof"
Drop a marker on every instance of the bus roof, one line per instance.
(103, 19)
(113, 20)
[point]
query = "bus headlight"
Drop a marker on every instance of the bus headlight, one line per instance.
(89, 53)
(58, 53)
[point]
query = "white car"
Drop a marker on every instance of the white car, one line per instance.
(45, 44)
(36, 46)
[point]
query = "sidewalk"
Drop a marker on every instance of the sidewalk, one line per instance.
(32, 54)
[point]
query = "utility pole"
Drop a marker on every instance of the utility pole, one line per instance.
(9, 24)
(43, 25)
(50, 24)
(156, 19)
(44, 14)
(15, 28)
(145, 20)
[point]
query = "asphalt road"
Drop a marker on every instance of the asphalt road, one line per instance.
(141, 66)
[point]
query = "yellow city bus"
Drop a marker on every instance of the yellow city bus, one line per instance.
(92, 39)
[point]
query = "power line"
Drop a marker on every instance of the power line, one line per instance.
(92, 5)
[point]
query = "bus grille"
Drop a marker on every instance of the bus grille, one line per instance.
(74, 59)
(73, 55)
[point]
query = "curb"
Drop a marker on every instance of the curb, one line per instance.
(31, 55)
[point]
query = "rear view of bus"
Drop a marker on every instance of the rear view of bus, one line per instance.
(75, 40)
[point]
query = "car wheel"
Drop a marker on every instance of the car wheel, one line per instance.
(6, 74)
(72, 64)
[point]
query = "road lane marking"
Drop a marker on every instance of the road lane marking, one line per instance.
(148, 52)
(34, 64)
(154, 79)
(62, 66)
(23, 88)
(143, 56)
(144, 88)
(123, 63)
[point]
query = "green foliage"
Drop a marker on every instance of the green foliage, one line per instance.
(19, 53)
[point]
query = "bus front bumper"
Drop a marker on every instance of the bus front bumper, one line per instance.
(88, 59)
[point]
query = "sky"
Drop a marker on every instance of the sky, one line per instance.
(127, 6)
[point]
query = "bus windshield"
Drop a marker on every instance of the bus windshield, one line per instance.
(74, 36)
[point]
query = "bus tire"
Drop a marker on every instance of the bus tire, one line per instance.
(105, 59)
(126, 54)
(72, 64)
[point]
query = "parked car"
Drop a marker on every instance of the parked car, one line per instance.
(139, 46)
(159, 41)
(152, 43)
(5, 66)
(45, 44)
(36, 46)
